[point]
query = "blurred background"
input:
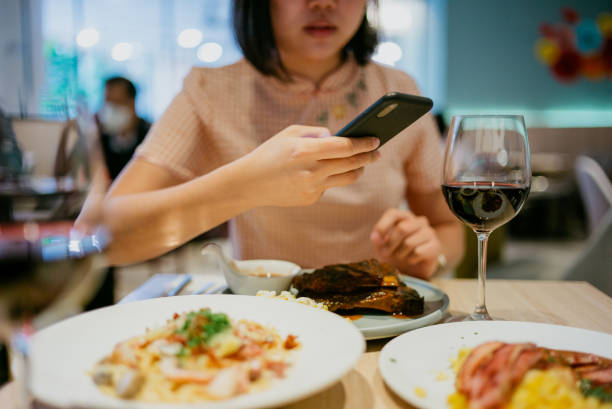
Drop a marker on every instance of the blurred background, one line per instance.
(549, 60)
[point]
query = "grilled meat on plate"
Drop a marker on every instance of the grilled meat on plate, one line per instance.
(367, 284)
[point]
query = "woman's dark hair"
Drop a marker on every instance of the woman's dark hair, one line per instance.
(253, 31)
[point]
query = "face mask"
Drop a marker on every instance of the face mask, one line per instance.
(114, 118)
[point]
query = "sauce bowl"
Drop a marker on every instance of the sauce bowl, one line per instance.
(246, 277)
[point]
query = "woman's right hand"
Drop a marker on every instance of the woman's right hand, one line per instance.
(295, 166)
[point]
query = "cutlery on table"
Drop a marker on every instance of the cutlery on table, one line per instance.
(210, 288)
(160, 285)
(177, 284)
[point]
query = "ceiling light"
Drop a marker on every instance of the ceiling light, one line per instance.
(189, 38)
(210, 52)
(387, 53)
(88, 37)
(122, 51)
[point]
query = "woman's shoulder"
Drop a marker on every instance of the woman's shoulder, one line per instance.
(391, 78)
(219, 78)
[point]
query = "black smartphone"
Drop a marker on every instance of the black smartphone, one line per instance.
(388, 116)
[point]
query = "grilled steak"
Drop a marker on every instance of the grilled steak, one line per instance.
(402, 300)
(347, 278)
(367, 284)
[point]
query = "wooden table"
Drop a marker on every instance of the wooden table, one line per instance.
(575, 304)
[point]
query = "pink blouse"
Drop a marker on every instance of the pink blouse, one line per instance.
(223, 113)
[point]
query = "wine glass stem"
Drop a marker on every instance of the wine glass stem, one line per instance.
(20, 348)
(480, 312)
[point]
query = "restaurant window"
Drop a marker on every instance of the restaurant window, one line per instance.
(156, 42)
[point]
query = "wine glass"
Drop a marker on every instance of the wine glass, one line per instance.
(47, 273)
(487, 177)
(48, 269)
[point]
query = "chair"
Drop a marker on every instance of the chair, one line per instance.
(41, 138)
(595, 189)
(594, 264)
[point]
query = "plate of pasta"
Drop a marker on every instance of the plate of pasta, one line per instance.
(216, 351)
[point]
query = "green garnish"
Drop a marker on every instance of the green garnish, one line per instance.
(194, 342)
(587, 390)
(217, 323)
(393, 360)
(185, 327)
(200, 327)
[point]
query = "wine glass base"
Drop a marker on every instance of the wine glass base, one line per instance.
(469, 317)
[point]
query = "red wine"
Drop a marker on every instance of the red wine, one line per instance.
(37, 272)
(482, 205)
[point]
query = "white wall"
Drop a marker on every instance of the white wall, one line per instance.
(492, 65)
(21, 59)
(10, 55)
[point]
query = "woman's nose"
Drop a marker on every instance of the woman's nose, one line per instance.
(322, 4)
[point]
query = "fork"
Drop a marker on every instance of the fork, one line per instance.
(161, 285)
(210, 288)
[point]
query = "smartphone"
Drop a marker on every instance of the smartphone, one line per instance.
(388, 116)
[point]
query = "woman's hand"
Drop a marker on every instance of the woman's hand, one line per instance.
(295, 166)
(408, 242)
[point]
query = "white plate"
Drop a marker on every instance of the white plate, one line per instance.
(416, 359)
(63, 353)
(381, 325)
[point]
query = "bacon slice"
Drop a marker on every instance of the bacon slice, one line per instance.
(505, 372)
(526, 361)
(600, 376)
(573, 358)
(481, 354)
(492, 371)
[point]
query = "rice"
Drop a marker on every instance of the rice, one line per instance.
(287, 296)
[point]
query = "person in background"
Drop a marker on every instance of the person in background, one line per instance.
(232, 145)
(120, 129)
(10, 154)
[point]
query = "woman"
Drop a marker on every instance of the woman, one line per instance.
(307, 62)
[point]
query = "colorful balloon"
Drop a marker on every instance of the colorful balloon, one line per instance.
(574, 47)
(566, 37)
(568, 66)
(547, 51)
(548, 30)
(588, 37)
(604, 22)
(593, 67)
(606, 52)
(570, 15)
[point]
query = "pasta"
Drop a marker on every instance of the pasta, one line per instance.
(196, 356)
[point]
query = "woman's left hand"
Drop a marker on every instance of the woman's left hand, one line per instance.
(408, 242)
